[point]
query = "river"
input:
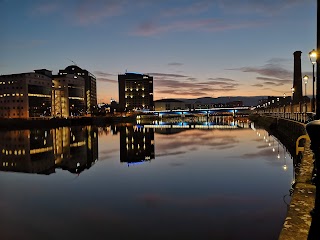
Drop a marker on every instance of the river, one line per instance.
(143, 182)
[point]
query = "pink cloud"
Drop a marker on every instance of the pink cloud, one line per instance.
(150, 28)
(94, 11)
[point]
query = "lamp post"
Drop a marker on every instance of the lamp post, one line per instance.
(313, 60)
(305, 79)
(292, 90)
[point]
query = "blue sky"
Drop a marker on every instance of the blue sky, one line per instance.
(192, 48)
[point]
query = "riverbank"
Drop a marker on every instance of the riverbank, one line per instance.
(12, 124)
(298, 221)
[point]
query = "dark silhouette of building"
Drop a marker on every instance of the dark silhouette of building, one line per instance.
(135, 91)
(136, 144)
(90, 85)
(41, 151)
(297, 78)
(234, 104)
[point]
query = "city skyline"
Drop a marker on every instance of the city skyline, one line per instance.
(191, 48)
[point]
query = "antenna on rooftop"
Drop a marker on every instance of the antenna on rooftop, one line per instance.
(72, 61)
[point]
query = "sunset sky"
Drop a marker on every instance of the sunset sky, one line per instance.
(193, 48)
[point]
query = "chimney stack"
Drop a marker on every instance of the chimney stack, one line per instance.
(297, 78)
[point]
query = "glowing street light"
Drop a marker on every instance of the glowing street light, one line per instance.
(313, 60)
(305, 79)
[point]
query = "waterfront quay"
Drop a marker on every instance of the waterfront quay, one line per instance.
(18, 123)
(299, 223)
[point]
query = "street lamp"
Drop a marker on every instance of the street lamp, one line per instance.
(305, 79)
(313, 60)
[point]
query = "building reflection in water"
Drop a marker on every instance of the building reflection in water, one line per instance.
(42, 150)
(136, 144)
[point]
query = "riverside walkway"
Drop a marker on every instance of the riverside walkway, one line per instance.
(298, 221)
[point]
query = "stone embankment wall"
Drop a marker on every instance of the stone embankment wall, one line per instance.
(287, 131)
(298, 221)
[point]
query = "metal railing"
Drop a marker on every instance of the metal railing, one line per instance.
(300, 112)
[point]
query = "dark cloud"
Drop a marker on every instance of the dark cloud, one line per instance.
(259, 6)
(257, 85)
(94, 11)
(103, 74)
(279, 60)
(150, 28)
(275, 80)
(222, 79)
(184, 93)
(176, 64)
(268, 70)
(162, 154)
(165, 83)
(196, 138)
(192, 79)
(101, 79)
(167, 75)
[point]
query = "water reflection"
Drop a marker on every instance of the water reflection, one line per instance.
(225, 183)
(136, 144)
(41, 151)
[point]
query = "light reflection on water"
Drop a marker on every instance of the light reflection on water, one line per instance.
(146, 182)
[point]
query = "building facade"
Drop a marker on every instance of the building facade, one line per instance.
(26, 95)
(68, 95)
(169, 104)
(90, 85)
(40, 94)
(135, 91)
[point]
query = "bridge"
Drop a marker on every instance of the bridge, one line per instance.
(203, 111)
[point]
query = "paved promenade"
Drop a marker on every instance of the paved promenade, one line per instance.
(298, 221)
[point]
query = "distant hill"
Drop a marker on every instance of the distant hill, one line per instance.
(247, 101)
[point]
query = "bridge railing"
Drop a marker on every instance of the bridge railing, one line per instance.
(300, 112)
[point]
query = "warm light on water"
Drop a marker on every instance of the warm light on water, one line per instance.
(133, 182)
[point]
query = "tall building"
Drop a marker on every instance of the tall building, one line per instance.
(135, 91)
(25, 95)
(90, 85)
(68, 95)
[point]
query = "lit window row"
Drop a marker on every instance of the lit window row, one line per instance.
(6, 164)
(38, 95)
(13, 152)
(78, 144)
(77, 98)
(9, 82)
(12, 94)
(40, 150)
(138, 146)
(131, 89)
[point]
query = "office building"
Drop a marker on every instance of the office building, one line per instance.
(90, 97)
(26, 95)
(68, 95)
(135, 91)
(40, 94)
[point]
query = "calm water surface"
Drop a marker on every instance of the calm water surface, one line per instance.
(135, 182)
